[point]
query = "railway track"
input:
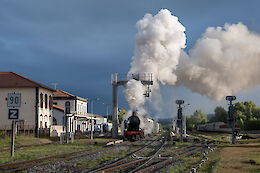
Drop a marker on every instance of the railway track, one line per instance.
(24, 165)
(52, 159)
(122, 162)
(37, 165)
(155, 161)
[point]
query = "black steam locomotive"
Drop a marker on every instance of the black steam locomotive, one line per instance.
(132, 130)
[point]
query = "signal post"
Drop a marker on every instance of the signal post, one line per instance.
(179, 120)
(231, 117)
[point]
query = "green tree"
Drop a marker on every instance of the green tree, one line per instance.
(121, 114)
(109, 118)
(245, 110)
(198, 117)
(256, 113)
(220, 115)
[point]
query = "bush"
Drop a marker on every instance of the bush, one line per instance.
(2, 133)
(252, 125)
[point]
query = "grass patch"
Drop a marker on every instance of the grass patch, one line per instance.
(94, 163)
(34, 152)
(22, 141)
(211, 163)
(177, 168)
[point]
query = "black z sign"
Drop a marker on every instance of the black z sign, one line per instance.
(13, 114)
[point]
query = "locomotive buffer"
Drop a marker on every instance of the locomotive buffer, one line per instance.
(119, 79)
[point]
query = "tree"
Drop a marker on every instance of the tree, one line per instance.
(245, 110)
(109, 118)
(121, 114)
(198, 117)
(220, 115)
(256, 113)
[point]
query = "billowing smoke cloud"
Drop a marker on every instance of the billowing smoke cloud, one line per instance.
(159, 41)
(134, 93)
(224, 61)
(158, 45)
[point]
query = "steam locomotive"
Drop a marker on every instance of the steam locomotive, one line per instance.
(132, 130)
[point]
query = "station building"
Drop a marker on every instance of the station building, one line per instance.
(77, 120)
(29, 101)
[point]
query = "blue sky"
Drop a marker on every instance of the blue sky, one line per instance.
(78, 44)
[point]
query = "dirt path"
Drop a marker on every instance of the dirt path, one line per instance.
(240, 158)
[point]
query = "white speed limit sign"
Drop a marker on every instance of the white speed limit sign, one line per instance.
(14, 100)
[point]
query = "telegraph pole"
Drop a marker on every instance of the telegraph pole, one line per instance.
(231, 117)
(179, 120)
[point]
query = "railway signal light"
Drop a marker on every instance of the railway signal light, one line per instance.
(179, 102)
(230, 98)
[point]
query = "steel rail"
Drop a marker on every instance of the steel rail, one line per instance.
(123, 159)
(151, 158)
(166, 162)
(14, 167)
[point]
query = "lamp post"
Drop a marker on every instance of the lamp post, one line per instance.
(91, 103)
(106, 109)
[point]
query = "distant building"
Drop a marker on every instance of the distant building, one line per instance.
(78, 118)
(58, 115)
(58, 121)
(30, 100)
(99, 122)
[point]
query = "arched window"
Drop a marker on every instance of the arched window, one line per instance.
(46, 101)
(45, 121)
(50, 102)
(41, 121)
(67, 107)
(41, 100)
(54, 121)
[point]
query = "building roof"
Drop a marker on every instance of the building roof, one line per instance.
(63, 94)
(58, 107)
(13, 80)
(95, 115)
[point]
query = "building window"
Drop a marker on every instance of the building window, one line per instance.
(41, 121)
(50, 102)
(41, 100)
(67, 107)
(46, 101)
(54, 121)
(45, 121)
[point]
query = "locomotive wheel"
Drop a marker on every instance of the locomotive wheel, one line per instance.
(137, 137)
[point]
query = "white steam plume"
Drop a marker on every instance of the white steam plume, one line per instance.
(134, 93)
(159, 41)
(158, 45)
(224, 61)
